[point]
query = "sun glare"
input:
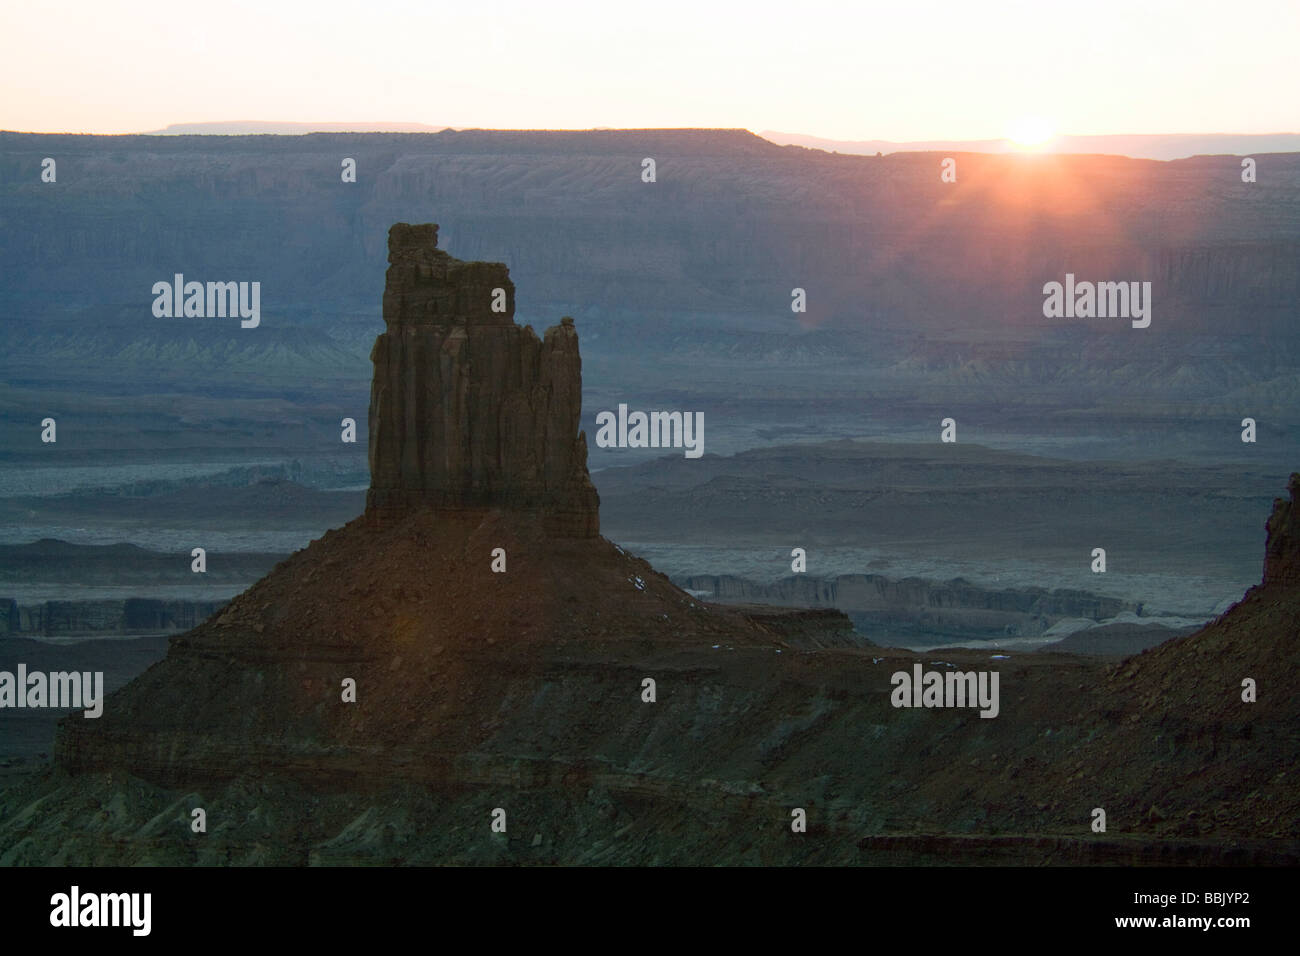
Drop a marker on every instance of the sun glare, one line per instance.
(1031, 132)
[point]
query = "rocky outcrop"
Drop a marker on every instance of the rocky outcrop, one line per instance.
(467, 409)
(1282, 548)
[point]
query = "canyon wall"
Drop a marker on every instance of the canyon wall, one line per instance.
(730, 225)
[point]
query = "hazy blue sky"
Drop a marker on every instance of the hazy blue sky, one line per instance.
(896, 70)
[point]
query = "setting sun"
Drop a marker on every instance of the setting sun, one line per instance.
(1031, 131)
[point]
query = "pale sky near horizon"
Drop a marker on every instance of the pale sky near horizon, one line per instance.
(893, 70)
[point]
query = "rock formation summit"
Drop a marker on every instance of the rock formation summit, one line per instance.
(467, 409)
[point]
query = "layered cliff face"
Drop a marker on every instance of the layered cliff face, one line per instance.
(849, 227)
(467, 409)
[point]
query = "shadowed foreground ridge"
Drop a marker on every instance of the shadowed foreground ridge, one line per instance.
(524, 690)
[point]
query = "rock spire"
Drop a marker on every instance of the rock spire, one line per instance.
(467, 409)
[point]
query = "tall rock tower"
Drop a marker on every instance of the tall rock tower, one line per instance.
(467, 409)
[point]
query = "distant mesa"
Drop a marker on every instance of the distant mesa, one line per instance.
(272, 127)
(1159, 146)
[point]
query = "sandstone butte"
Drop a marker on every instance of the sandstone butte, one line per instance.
(474, 445)
(523, 690)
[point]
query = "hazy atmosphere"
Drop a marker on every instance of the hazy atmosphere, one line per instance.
(686, 435)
